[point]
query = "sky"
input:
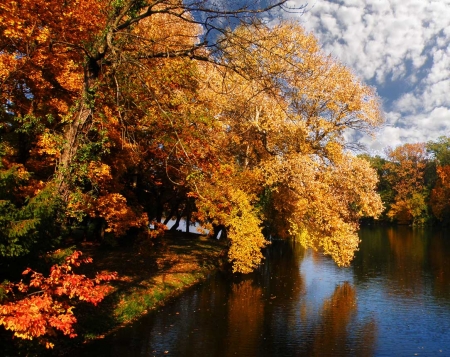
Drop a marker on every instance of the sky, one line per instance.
(402, 48)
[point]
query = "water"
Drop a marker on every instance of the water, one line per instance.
(393, 301)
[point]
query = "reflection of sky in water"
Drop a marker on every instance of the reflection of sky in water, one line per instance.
(321, 276)
(407, 323)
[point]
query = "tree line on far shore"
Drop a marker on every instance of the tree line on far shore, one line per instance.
(414, 183)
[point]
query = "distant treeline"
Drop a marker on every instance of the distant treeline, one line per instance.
(414, 182)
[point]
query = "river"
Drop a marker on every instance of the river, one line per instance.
(394, 300)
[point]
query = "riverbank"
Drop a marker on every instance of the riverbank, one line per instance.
(149, 276)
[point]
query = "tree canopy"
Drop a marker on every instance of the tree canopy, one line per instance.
(118, 115)
(127, 115)
(413, 182)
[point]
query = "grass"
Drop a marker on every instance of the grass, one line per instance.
(149, 275)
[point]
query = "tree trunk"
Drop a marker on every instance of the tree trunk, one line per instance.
(177, 222)
(76, 128)
(217, 229)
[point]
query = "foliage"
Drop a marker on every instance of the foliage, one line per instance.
(284, 108)
(131, 115)
(244, 234)
(42, 306)
(440, 195)
(384, 187)
(406, 168)
(25, 224)
(413, 182)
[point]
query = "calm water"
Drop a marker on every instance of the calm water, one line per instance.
(393, 301)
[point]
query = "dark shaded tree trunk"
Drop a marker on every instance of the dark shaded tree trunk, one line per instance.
(173, 210)
(217, 229)
(177, 222)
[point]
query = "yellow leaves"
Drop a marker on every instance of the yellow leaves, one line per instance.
(285, 117)
(333, 151)
(43, 35)
(8, 63)
(164, 32)
(71, 76)
(321, 204)
(245, 234)
(99, 173)
(49, 143)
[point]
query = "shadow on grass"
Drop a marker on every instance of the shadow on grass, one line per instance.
(149, 275)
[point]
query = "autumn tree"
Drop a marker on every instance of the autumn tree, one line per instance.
(285, 106)
(120, 109)
(100, 106)
(440, 194)
(88, 99)
(44, 307)
(406, 165)
(384, 186)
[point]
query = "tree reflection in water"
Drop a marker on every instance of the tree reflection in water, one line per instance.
(332, 333)
(393, 300)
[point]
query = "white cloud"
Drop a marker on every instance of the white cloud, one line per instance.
(400, 46)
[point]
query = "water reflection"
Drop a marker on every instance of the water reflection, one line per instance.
(246, 317)
(411, 261)
(439, 264)
(393, 301)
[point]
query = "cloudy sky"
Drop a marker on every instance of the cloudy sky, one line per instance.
(402, 47)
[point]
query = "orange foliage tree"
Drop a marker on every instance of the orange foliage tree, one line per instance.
(136, 107)
(123, 112)
(84, 82)
(45, 304)
(440, 194)
(120, 107)
(406, 168)
(100, 108)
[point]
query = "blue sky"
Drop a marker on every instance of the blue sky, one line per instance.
(401, 47)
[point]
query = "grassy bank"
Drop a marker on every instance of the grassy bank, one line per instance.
(149, 275)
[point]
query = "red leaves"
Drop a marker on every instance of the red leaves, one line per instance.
(440, 195)
(47, 308)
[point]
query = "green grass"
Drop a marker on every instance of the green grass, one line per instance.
(148, 278)
(144, 299)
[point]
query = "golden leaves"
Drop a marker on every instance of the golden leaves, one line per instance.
(284, 115)
(263, 128)
(118, 215)
(244, 234)
(406, 170)
(99, 173)
(49, 143)
(321, 203)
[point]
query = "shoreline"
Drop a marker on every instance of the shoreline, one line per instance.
(149, 277)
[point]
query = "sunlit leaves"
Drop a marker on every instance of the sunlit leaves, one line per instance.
(246, 132)
(244, 234)
(284, 108)
(406, 167)
(322, 204)
(42, 306)
(440, 195)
